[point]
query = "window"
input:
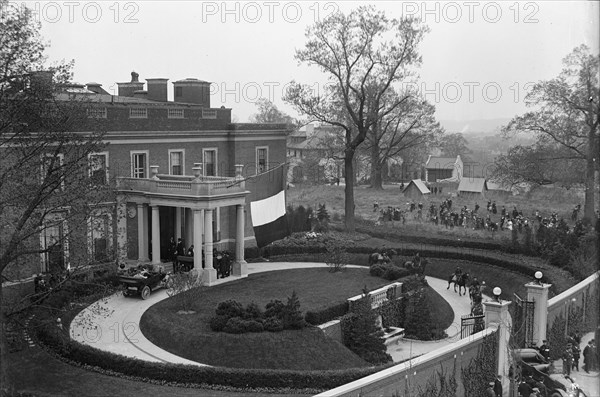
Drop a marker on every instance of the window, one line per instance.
(178, 91)
(262, 159)
(139, 164)
(96, 113)
(99, 236)
(176, 159)
(99, 168)
(175, 113)
(209, 114)
(51, 170)
(209, 162)
(54, 247)
(138, 113)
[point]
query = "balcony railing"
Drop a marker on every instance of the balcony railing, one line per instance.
(381, 295)
(183, 185)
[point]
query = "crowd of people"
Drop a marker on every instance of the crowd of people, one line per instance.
(491, 218)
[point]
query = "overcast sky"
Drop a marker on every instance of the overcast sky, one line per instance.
(477, 60)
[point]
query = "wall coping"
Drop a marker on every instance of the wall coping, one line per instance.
(357, 385)
(573, 290)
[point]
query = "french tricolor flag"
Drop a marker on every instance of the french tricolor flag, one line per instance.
(267, 206)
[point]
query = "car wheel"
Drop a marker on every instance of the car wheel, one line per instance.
(146, 292)
(556, 394)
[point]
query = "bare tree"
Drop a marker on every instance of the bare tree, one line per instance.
(47, 174)
(567, 116)
(363, 54)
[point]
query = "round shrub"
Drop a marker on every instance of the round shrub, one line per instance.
(235, 325)
(230, 308)
(253, 311)
(377, 270)
(275, 308)
(272, 324)
(253, 326)
(394, 273)
(217, 323)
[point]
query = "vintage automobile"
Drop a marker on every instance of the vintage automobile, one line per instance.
(533, 358)
(143, 282)
(557, 385)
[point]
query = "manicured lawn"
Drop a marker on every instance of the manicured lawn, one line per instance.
(190, 336)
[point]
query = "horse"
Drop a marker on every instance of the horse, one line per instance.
(415, 268)
(475, 291)
(377, 258)
(460, 281)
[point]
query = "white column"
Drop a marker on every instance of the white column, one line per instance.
(155, 235)
(209, 274)
(240, 267)
(198, 224)
(177, 223)
(142, 216)
(538, 293)
(496, 313)
(188, 237)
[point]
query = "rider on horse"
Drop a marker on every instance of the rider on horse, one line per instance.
(458, 273)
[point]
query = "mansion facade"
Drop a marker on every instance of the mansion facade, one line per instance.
(180, 170)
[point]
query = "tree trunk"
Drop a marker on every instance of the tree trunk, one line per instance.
(590, 177)
(376, 180)
(3, 344)
(349, 192)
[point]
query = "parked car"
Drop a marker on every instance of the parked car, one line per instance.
(558, 385)
(534, 359)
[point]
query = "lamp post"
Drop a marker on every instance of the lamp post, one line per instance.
(568, 303)
(497, 291)
(538, 277)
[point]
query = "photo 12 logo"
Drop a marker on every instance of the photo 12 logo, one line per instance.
(76, 11)
(470, 91)
(266, 11)
(471, 11)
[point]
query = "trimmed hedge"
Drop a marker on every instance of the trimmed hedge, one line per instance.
(52, 337)
(328, 314)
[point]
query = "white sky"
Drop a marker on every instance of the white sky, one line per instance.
(247, 48)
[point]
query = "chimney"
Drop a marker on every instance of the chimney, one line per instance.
(192, 91)
(96, 87)
(127, 89)
(140, 94)
(157, 89)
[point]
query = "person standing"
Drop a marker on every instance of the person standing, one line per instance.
(498, 386)
(489, 391)
(587, 357)
(567, 359)
(576, 355)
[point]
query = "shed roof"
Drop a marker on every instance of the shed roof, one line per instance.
(446, 163)
(419, 185)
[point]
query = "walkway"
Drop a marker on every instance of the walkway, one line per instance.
(112, 324)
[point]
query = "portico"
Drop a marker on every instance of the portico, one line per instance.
(187, 205)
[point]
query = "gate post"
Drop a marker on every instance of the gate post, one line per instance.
(538, 293)
(496, 314)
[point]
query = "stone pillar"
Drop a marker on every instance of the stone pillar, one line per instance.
(496, 314)
(240, 267)
(121, 232)
(198, 224)
(538, 292)
(178, 223)
(209, 273)
(142, 216)
(155, 235)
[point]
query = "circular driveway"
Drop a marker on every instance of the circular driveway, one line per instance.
(113, 324)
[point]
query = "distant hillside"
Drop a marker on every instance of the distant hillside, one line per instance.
(479, 127)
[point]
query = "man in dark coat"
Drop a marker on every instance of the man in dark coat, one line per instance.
(498, 386)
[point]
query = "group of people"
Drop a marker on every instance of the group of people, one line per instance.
(532, 386)
(572, 355)
(178, 249)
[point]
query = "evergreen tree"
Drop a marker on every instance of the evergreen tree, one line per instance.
(292, 317)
